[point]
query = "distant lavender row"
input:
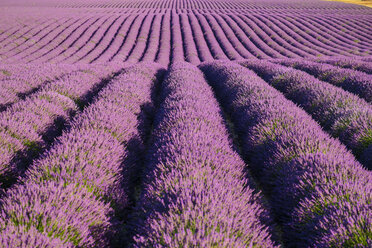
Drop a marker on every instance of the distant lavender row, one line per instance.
(168, 35)
(28, 126)
(69, 196)
(214, 44)
(343, 114)
(191, 52)
(164, 49)
(320, 194)
(351, 63)
(289, 5)
(356, 82)
(177, 45)
(195, 192)
(19, 80)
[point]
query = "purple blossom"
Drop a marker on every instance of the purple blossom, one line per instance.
(341, 113)
(73, 190)
(196, 192)
(305, 173)
(350, 80)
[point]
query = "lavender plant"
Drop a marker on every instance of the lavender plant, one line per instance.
(71, 192)
(341, 113)
(196, 193)
(317, 189)
(350, 80)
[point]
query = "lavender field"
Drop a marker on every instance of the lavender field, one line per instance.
(185, 123)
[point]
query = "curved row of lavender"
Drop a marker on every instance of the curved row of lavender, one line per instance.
(351, 63)
(318, 191)
(17, 82)
(28, 126)
(290, 5)
(68, 196)
(356, 82)
(343, 114)
(178, 33)
(196, 193)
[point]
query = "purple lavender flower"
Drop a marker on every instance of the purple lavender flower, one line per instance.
(196, 192)
(318, 191)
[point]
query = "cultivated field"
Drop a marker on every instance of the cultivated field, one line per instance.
(361, 2)
(185, 123)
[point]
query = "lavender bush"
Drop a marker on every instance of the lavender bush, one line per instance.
(28, 126)
(351, 63)
(70, 193)
(355, 82)
(195, 192)
(318, 191)
(343, 114)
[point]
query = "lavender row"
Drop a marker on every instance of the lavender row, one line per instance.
(205, 53)
(79, 40)
(318, 33)
(279, 41)
(105, 40)
(18, 81)
(9, 71)
(58, 44)
(107, 36)
(355, 41)
(164, 50)
(28, 126)
(319, 192)
(361, 32)
(225, 43)
(366, 59)
(70, 194)
(91, 45)
(29, 50)
(350, 80)
(15, 35)
(341, 113)
(11, 47)
(93, 41)
(255, 37)
(270, 5)
(191, 52)
(351, 63)
(235, 37)
(242, 34)
(154, 40)
(290, 33)
(117, 42)
(68, 40)
(214, 47)
(142, 40)
(130, 39)
(195, 192)
(177, 46)
(310, 36)
(265, 38)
